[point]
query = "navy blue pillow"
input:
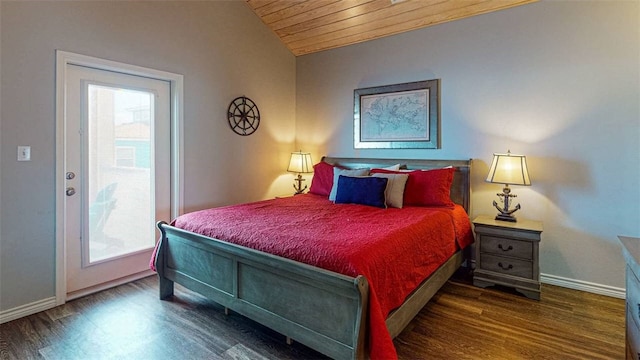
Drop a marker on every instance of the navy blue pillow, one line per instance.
(361, 190)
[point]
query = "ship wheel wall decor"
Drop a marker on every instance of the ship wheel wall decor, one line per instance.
(243, 115)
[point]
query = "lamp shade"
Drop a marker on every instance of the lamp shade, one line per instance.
(300, 163)
(509, 169)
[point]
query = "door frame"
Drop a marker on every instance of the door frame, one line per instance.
(65, 58)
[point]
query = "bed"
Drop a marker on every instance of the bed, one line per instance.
(326, 310)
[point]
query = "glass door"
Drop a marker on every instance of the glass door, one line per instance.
(117, 157)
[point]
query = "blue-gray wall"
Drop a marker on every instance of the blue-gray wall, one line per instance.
(222, 49)
(556, 81)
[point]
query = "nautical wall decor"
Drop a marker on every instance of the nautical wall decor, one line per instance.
(243, 116)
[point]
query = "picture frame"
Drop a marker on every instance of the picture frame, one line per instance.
(399, 116)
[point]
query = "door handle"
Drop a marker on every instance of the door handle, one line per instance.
(70, 191)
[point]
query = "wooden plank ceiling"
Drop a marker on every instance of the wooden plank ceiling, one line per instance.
(308, 26)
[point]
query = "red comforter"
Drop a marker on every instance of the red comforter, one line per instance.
(396, 249)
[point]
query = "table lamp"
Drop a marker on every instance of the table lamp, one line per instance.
(300, 163)
(508, 169)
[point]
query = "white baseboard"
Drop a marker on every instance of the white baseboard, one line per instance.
(49, 303)
(583, 286)
(27, 309)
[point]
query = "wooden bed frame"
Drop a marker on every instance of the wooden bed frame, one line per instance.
(324, 310)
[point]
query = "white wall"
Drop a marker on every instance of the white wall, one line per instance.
(222, 49)
(556, 81)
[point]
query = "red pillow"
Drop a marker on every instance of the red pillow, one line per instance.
(426, 187)
(322, 181)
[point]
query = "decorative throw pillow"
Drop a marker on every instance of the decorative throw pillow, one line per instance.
(346, 172)
(394, 194)
(427, 187)
(322, 180)
(361, 190)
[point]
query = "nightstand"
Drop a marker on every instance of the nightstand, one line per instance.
(507, 254)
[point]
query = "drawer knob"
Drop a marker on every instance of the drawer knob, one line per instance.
(505, 267)
(503, 249)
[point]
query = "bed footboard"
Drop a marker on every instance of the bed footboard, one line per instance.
(321, 309)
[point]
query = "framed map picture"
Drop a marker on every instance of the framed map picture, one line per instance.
(401, 116)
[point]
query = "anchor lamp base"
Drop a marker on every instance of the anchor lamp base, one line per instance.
(506, 217)
(298, 188)
(506, 214)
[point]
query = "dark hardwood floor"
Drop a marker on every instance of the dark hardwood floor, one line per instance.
(460, 322)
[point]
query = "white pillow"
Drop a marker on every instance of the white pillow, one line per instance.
(346, 172)
(394, 193)
(395, 167)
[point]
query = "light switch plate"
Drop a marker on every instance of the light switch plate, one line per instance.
(24, 153)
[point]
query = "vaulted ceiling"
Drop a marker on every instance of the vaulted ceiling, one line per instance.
(308, 26)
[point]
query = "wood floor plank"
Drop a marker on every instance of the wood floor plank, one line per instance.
(506, 326)
(460, 322)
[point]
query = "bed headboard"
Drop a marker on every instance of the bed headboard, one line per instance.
(460, 188)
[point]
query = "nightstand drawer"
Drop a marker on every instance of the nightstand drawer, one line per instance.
(508, 266)
(507, 247)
